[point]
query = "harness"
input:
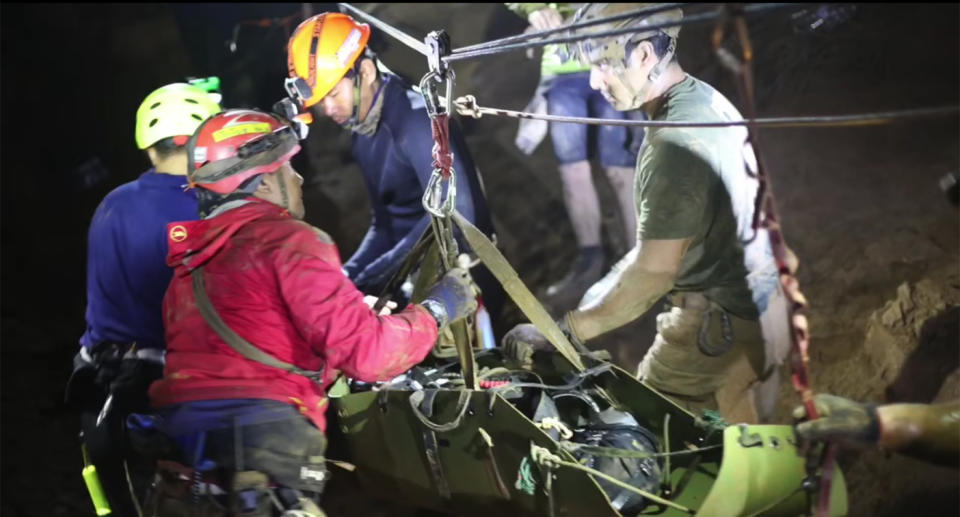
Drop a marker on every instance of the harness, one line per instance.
(234, 340)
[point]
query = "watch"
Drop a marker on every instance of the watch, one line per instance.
(437, 310)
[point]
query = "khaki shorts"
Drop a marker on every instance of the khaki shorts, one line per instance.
(705, 358)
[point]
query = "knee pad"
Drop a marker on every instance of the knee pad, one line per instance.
(250, 494)
(254, 497)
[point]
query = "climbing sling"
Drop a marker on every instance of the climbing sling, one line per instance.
(234, 341)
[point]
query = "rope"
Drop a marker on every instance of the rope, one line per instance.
(403, 37)
(613, 452)
(665, 480)
(525, 482)
(689, 20)
(766, 216)
(552, 422)
(543, 457)
(645, 11)
(467, 106)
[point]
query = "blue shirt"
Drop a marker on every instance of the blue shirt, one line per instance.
(397, 163)
(127, 273)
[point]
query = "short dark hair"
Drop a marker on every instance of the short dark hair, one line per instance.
(660, 42)
(208, 200)
(166, 148)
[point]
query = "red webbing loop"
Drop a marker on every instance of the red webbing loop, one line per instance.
(442, 157)
(766, 217)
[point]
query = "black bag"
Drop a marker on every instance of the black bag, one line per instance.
(641, 473)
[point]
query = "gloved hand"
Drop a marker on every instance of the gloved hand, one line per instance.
(129, 387)
(522, 341)
(840, 419)
(452, 298)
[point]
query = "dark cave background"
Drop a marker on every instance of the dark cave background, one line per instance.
(861, 206)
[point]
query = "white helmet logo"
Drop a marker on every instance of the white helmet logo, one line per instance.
(199, 154)
(350, 45)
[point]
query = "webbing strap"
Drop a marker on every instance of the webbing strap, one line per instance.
(519, 293)
(766, 216)
(416, 253)
(233, 340)
(423, 402)
(424, 399)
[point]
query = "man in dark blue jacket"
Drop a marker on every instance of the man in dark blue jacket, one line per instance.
(391, 140)
(127, 275)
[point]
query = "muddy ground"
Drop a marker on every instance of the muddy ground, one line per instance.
(877, 239)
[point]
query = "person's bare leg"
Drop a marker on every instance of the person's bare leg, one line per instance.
(583, 208)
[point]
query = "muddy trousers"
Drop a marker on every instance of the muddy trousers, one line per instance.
(261, 466)
(705, 358)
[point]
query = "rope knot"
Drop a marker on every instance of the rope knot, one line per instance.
(555, 423)
(467, 106)
(543, 457)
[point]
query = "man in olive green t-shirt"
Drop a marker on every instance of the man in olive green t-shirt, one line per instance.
(695, 194)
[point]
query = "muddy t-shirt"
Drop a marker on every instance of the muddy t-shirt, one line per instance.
(694, 182)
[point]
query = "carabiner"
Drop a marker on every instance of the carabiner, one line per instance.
(432, 98)
(433, 200)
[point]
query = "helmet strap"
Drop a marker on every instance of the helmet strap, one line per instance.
(354, 74)
(284, 196)
(640, 93)
(355, 118)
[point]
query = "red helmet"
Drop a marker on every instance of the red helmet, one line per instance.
(236, 145)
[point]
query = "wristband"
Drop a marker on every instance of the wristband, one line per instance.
(437, 310)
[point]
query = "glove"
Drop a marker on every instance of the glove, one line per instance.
(840, 419)
(522, 341)
(129, 388)
(452, 298)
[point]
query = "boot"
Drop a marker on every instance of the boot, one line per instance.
(587, 269)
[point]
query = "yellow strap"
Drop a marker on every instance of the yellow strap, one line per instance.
(519, 293)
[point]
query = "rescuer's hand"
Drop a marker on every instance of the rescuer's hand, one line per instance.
(371, 300)
(840, 419)
(545, 19)
(129, 387)
(452, 298)
(522, 341)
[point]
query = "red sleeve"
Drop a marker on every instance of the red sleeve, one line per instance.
(332, 317)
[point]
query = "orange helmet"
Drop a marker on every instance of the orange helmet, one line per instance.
(322, 50)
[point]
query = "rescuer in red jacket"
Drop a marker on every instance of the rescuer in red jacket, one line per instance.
(259, 316)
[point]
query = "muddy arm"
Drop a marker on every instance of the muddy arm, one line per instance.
(924, 431)
(642, 282)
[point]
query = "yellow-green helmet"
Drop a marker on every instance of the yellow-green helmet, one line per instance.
(174, 110)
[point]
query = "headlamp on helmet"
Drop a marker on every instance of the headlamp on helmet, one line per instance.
(236, 145)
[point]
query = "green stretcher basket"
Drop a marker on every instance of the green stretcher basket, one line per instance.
(483, 464)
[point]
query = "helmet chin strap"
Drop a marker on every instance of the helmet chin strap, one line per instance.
(639, 94)
(284, 196)
(354, 119)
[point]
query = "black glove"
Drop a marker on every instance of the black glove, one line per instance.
(129, 387)
(522, 341)
(840, 419)
(452, 298)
